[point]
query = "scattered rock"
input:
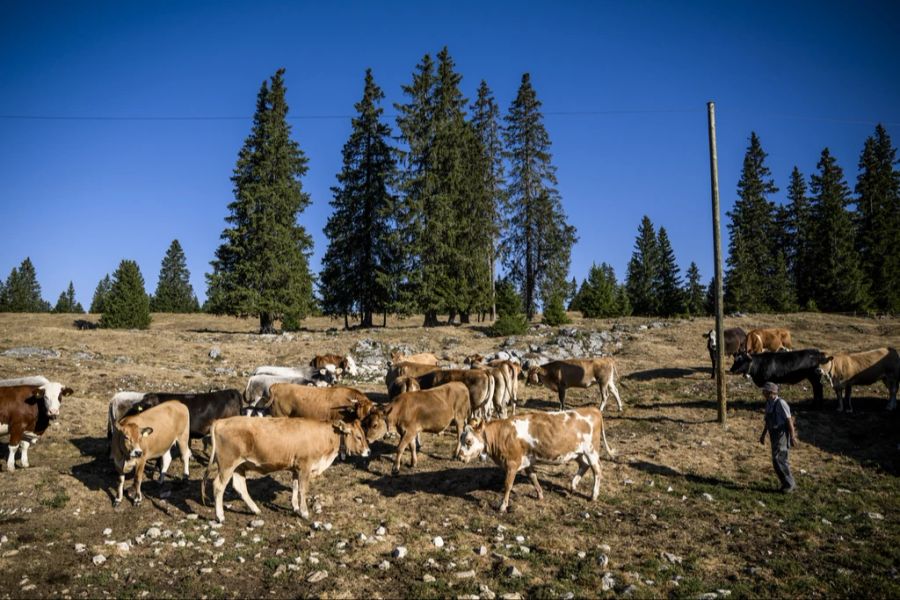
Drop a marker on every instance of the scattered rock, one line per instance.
(486, 592)
(257, 523)
(607, 583)
(154, 532)
(708, 497)
(99, 559)
(513, 572)
(30, 352)
(876, 516)
(400, 552)
(675, 560)
(80, 548)
(438, 542)
(482, 551)
(381, 531)
(384, 565)
(317, 577)
(466, 574)
(215, 352)
(602, 560)
(107, 531)
(428, 578)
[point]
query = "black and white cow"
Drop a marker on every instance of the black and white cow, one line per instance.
(783, 367)
(734, 340)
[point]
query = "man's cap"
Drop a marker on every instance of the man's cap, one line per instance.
(770, 387)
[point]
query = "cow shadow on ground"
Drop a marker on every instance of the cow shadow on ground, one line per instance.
(659, 419)
(665, 373)
(665, 471)
(458, 483)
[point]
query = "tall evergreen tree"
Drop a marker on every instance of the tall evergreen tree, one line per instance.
(356, 276)
(694, 292)
(667, 282)
(127, 305)
(101, 293)
(878, 220)
(67, 302)
(486, 121)
(174, 293)
(839, 284)
(538, 239)
(262, 266)
(800, 249)
(22, 290)
(599, 294)
(643, 269)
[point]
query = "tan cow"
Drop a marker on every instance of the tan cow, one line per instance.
(423, 358)
(321, 404)
(560, 375)
(506, 392)
(410, 413)
(147, 435)
(843, 371)
(406, 369)
(560, 437)
(306, 448)
(480, 384)
(768, 340)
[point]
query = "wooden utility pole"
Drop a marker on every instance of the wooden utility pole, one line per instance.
(717, 255)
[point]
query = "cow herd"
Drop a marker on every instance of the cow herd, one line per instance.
(308, 419)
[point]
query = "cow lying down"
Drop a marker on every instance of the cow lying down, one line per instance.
(559, 437)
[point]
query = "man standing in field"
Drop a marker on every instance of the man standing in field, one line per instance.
(782, 434)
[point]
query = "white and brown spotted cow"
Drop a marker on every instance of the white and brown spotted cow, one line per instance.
(27, 407)
(558, 437)
(843, 371)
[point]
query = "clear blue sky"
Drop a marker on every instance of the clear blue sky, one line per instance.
(623, 84)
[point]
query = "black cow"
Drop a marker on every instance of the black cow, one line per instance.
(734, 340)
(204, 407)
(783, 367)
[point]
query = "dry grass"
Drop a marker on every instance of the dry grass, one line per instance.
(821, 541)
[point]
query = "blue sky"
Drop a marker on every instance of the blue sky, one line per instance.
(624, 87)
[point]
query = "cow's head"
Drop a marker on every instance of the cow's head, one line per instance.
(52, 394)
(825, 369)
(326, 376)
(131, 436)
(536, 375)
(742, 361)
(353, 437)
(710, 337)
(375, 425)
(471, 441)
(473, 359)
(255, 411)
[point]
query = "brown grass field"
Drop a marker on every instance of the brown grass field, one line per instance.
(662, 535)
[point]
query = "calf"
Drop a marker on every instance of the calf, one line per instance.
(767, 340)
(480, 384)
(25, 413)
(302, 446)
(119, 406)
(335, 363)
(843, 371)
(560, 437)
(560, 375)
(406, 369)
(734, 340)
(783, 367)
(147, 435)
(321, 404)
(410, 413)
(424, 358)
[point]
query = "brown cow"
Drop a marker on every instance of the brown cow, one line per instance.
(560, 375)
(505, 392)
(559, 437)
(410, 413)
(767, 340)
(480, 383)
(408, 369)
(25, 413)
(302, 446)
(843, 371)
(147, 435)
(321, 404)
(423, 358)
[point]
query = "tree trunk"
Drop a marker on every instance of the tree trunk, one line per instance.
(366, 319)
(430, 319)
(346, 322)
(452, 317)
(464, 318)
(266, 323)
(384, 320)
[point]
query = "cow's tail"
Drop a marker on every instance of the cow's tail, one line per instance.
(489, 397)
(610, 451)
(212, 458)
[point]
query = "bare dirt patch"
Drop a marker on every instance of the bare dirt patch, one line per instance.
(654, 527)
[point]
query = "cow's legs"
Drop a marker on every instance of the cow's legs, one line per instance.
(892, 392)
(219, 483)
(406, 438)
(615, 392)
(184, 446)
(838, 393)
(511, 469)
(847, 398)
(24, 453)
(583, 466)
(414, 458)
(562, 396)
(604, 396)
(139, 479)
(534, 481)
(239, 483)
(11, 459)
(118, 499)
(594, 461)
(304, 485)
(460, 425)
(166, 461)
(816, 384)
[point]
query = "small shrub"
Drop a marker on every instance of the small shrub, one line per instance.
(509, 325)
(554, 313)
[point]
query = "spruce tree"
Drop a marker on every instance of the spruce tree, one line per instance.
(356, 275)
(667, 282)
(538, 239)
(127, 305)
(262, 266)
(643, 269)
(878, 220)
(67, 303)
(22, 290)
(694, 292)
(101, 293)
(800, 249)
(510, 317)
(174, 293)
(752, 219)
(599, 294)
(839, 284)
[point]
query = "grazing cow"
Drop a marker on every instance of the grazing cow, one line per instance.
(147, 435)
(258, 385)
(320, 404)
(480, 384)
(406, 369)
(424, 358)
(560, 375)
(203, 407)
(25, 413)
(559, 437)
(783, 367)
(335, 363)
(410, 413)
(843, 371)
(302, 446)
(767, 340)
(734, 340)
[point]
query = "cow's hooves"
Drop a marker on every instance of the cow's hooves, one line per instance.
(117, 503)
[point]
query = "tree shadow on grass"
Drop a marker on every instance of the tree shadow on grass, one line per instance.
(662, 419)
(667, 373)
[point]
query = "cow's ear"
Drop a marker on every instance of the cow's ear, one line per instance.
(339, 370)
(340, 426)
(322, 371)
(39, 393)
(146, 431)
(826, 359)
(67, 391)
